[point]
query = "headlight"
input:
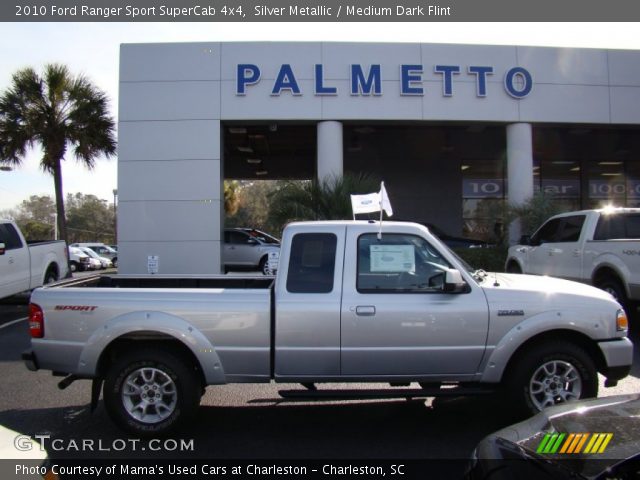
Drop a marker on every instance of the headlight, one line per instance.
(622, 323)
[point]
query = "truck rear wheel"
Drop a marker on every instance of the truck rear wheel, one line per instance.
(51, 275)
(549, 374)
(151, 392)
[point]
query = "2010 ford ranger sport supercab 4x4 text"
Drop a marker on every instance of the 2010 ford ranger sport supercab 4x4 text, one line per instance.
(352, 302)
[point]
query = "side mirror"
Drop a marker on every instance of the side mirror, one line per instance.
(253, 241)
(525, 240)
(3, 249)
(453, 282)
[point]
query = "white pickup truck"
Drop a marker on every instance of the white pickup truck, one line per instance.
(598, 247)
(352, 302)
(27, 265)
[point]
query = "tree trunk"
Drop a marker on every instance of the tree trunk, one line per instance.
(62, 220)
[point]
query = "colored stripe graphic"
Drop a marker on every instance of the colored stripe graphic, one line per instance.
(574, 443)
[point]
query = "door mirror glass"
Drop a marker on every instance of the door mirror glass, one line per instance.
(252, 241)
(2, 248)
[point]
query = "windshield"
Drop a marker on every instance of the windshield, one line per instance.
(478, 274)
(263, 237)
(90, 252)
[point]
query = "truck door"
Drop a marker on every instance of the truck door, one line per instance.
(15, 268)
(307, 328)
(539, 254)
(239, 249)
(559, 253)
(397, 318)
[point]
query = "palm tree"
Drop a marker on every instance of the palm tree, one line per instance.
(58, 111)
(328, 199)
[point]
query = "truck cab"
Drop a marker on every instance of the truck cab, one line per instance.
(387, 311)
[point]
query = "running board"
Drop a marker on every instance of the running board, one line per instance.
(331, 394)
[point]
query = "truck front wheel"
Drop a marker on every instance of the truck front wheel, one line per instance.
(549, 374)
(612, 286)
(150, 392)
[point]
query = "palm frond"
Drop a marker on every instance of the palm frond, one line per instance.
(328, 199)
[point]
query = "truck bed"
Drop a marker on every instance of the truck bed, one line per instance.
(230, 316)
(169, 281)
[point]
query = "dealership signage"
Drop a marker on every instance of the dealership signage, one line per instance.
(367, 80)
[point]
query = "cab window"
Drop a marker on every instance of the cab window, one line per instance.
(546, 233)
(571, 228)
(399, 263)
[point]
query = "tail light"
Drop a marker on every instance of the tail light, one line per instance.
(36, 321)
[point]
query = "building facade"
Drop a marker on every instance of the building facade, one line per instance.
(453, 130)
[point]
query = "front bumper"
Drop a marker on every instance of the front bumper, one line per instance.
(618, 357)
(29, 359)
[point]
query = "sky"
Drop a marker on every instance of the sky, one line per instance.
(93, 49)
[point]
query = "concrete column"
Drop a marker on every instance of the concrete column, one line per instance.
(330, 153)
(519, 169)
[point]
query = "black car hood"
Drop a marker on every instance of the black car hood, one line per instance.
(619, 416)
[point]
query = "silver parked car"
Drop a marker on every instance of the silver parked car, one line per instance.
(101, 249)
(249, 249)
(100, 262)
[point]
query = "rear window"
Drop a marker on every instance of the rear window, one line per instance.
(312, 263)
(618, 226)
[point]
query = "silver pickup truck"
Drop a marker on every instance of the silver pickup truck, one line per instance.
(352, 302)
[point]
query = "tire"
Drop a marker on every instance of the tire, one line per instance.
(114, 261)
(551, 373)
(264, 265)
(51, 276)
(74, 267)
(513, 267)
(169, 382)
(613, 286)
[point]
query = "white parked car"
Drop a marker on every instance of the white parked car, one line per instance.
(250, 249)
(101, 262)
(598, 247)
(101, 249)
(78, 260)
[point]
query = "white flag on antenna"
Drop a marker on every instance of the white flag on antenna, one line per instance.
(372, 202)
(365, 203)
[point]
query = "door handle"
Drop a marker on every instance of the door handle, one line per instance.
(365, 310)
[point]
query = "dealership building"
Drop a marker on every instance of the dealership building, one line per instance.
(453, 130)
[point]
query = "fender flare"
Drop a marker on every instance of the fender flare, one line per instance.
(610, 262)
(50, 260)
(495, 364)
(157, 322)
(515, 260)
